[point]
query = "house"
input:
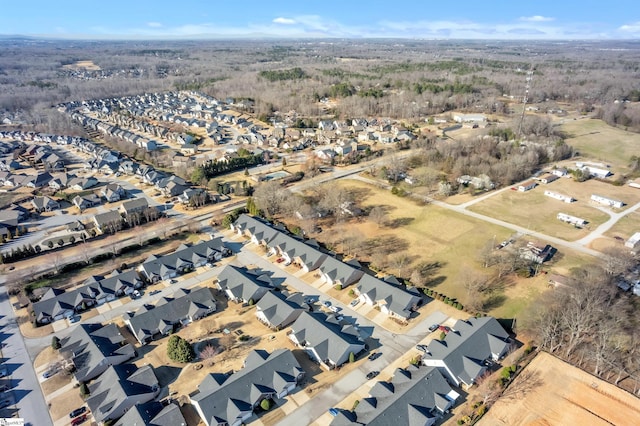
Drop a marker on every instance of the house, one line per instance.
(120, 388)
(137, 205)
(392, 300)
(9, 218)
(230, 399)
(607, 201)
(469, 118)
(93, 348)
(153, 413)
(536, 253)
(560, 172)
(463, 355)
(184, 307)
(81, 184)
(44, 204)
(547, 178)
(40, 180)
(109, 221)
(296, 251)
(85, 202)
(414, 395)
(57, 304)
(335, 272)
(557, 196)
(243, 285)
(113, 192)
(576, 221)
(279, 309)
(526, 186)
(325, 339)
(61, 181)
(184, 259)
(633, 241)
(635, 183)
(594, 171)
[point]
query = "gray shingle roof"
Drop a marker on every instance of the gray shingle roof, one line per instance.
(119, 382)
(467, 346)
(244, 284)
(153, 414)
(415, 396)
(193, 304)
(224, 398)
(184, 258)
(89, 345)
(397, 300)
(331, 341)
(279, 309)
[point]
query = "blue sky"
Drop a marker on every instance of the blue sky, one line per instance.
(461, 19)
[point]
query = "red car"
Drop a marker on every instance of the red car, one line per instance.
(280, 260)
(444, 328)
(78, 420)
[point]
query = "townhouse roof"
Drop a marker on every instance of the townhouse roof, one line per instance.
(242, 283)
(224, 398)
(280, 308)
(397, 299)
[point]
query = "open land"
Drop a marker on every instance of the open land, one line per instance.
(561, 394)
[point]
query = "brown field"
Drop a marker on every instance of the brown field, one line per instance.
(598, 140)
(87, 65)
(626, 226)
(560, 394)
(517, 207)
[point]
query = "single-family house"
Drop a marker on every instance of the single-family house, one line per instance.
(120, 388)
(40, 180)
(44, 204)
(113, 192)
(325, 339)
(93, 348)
(279, 309)
(230, 399)
(153, 413)
(635, 183)
(243, 285)
(82, 183)
(413, 396)
(526, 186)
(547, 178)
(109, 221)
(86, 201)
(137, 205)
(560, 172)
(464, 354)
(182, 308)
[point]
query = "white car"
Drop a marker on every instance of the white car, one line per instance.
(334, 308)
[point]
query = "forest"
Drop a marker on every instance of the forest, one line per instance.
(384, 78)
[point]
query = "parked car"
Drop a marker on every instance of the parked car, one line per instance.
(334, 308)
(374, 356)
(74, 319)
(372, 374)
(280, 260)
(135, 294)
(444, 328)
(422, 348)
(154, 292)
(326, 304)
(434, 327)
(48, 374)
(77, 412)
(78, 420)
(333, 411)
(354, 302)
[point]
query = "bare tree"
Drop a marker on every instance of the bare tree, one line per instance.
(378, 216)
(399, 261)
(208, 353)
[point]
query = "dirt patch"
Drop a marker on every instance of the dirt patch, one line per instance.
(563, 395)
(46, 357)
(62, 405)
(80, 65)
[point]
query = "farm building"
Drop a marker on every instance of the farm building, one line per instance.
(634, 241)
(607, 201)
(526, 186)
(560, 197)
(571, 219)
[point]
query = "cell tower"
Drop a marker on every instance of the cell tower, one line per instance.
(525, 98)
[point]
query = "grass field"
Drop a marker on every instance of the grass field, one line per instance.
(431, 234)
(626, 226)
(536, 211)
(553, 392)
(596, 139)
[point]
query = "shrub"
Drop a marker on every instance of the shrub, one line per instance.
(355, 404)
(460, 421)
(251, 302)
(338, 287)
(84, 390)
(179, 350)
(442, 335)
(352, 293)
(352, 357)
(265, 404)
(55, 343)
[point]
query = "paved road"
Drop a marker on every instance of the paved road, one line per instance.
(26, 391)
(615, 217)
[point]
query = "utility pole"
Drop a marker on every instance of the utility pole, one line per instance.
(525, 98)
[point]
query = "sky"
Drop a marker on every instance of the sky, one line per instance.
(417, 19)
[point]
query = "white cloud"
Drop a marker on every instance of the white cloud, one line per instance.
(154, 24)
(630, 28)
(537, 18)
(284, 21)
